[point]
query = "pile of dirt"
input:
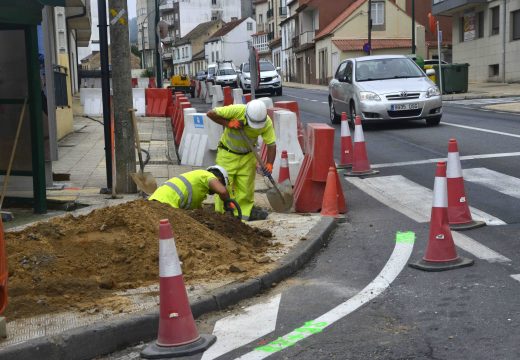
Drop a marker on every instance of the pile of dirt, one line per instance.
(77, 263)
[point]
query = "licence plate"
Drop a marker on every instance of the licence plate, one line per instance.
(401, 107)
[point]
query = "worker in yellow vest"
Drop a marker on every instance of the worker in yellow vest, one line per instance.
(235, 155)
(189, 190)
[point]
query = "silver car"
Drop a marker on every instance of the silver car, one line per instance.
(270, 80)
(386, 87)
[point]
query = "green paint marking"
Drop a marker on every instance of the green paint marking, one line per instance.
(309, 328)
(405, 237)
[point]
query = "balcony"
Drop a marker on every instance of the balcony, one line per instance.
(167, 40)
(307, 37)
(449, 7)
(282, 10)
(270, 36)
(166, 6)
(167, 55)
(170, 22)
(270, 13)
(296, 41)
(260, 27)
(261, 43)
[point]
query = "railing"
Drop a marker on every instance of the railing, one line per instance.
(307, 37)
(167, 39)
(270, 13)
(60, 85)
(282, 10)
(170, 22)
(261, 43)
(296, 41)
(270, 35)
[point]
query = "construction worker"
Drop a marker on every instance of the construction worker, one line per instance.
(235, 155)
(189, 190)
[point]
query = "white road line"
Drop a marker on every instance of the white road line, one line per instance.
(237, 330)
(476, 249)
(324, 102)
(409, 198)
(494, 180)
(516, 277)
(482, 129)
(388, 274)
(314, 100)
(427, 161)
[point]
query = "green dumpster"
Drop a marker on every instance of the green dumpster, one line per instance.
(454, 78)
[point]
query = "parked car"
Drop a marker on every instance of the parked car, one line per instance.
(270, 80)
(226, 74)
(386, 87)
(201, 75)
(210, 73)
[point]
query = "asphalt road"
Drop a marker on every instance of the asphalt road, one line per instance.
(358, 299)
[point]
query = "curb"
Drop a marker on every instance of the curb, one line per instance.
(476, 97)
(90, 341)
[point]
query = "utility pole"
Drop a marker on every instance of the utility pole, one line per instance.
(369, 27)
(413, 26)
(158, 59)
(105, 91)
(122, 98)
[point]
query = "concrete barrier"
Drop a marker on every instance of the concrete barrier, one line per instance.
(218, 96)
(139, 101)
(209, 93)
(203, 90)
(183, 137)
(267, 101)
(238, 96)
(195, 150)
(286, 129)
(142, 82)
(92, 101)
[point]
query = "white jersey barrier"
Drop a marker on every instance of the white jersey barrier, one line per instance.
(218, 96)
(238, 96)
(209, 93)
(267, 101)
(139, 101)
(184, 133)
(215, 129)
(195, 149)
(143, 82)
(92, 101)
(203, 90)
(286, 128)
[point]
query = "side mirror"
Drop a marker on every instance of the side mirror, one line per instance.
(278, 68)
(430, 72)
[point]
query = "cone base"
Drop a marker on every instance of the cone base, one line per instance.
(467, 226)
(441, 266)
(344, 166)
(361, 173)
(154, 351)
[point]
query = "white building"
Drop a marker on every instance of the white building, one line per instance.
(231, 42)
(144, 36)
(288, 33)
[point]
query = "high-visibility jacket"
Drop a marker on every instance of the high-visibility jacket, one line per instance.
(232, 139)
(186, 191)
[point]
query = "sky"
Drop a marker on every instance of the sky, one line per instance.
(131, 8)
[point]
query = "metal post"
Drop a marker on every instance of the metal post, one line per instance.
(143, 64)
(105, 90)
(369, 27)
(35, 108)
(413, 26)
(439, 40)
(158, 59)
(504, 18)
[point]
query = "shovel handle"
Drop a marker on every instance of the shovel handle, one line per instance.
(137, 139)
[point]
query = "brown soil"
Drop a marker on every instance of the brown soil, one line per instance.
(78, 263)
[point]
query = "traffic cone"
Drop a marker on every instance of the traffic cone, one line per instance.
(283, 173)
(346, 144)
(440, 252)
(459, 215)
(330, 204)
(177, 335)
(360, 163)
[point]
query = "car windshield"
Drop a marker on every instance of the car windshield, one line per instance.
(384, 69)
(226, 72)
(264, 66)
(211, 71)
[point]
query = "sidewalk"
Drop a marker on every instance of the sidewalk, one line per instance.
(66, 334)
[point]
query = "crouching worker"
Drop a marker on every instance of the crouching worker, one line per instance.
(189, 190)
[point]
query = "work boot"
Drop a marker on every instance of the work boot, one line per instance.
(258, 214)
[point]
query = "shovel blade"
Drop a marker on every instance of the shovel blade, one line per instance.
(282, 203)
(145, 182)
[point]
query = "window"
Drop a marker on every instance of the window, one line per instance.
(213, 2)
(217, 56)
(480, 24)
(182, 52)
(249, 26)
(495, 20)
(471, 26)
(378, 13)
(178, 57)
(340, 71)
(348, 72)
(515, 17)
(494, 70)
(260, 18)
(212, 56)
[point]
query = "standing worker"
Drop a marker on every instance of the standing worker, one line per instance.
(235, 155)
(189, 190)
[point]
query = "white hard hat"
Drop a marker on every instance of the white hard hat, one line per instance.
(256, 114)
(222, 171)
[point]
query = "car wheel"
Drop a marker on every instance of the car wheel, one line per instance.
(353, 113)
(334, 118)
(434, 121)
(279, 92)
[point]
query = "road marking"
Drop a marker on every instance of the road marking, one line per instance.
(409, 198)
(482, 129)
(324, 102)
(314, 100)
(505, 184)
(516, 277)
(477, 249)
(428, 161)
(395, 264)
(237, 330)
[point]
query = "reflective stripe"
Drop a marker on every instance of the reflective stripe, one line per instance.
(188, 188)
(235, 136)
(178, 191)
(345, 131)
(236, 148)
(440, 192)
(358, 134)
(453, 169)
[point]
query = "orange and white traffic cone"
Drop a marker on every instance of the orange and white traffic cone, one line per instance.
(177, 335)
(284, 174)
(459, 215)
(440, 252)
(347, 153)
(331, 200)
(360, 163)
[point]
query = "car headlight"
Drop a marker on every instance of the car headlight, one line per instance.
(247, 77)
(368, 96)
(432, 91)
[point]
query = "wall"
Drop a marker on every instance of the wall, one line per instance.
(235, 46)
(64, 116)
(197, 11)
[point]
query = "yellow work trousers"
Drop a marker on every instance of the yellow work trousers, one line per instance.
(242, 172)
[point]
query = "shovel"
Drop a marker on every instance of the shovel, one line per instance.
(280, 197)
(144, 180)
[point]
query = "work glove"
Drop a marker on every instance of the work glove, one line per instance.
(234, 124)
(267, 170)
(231, 205)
